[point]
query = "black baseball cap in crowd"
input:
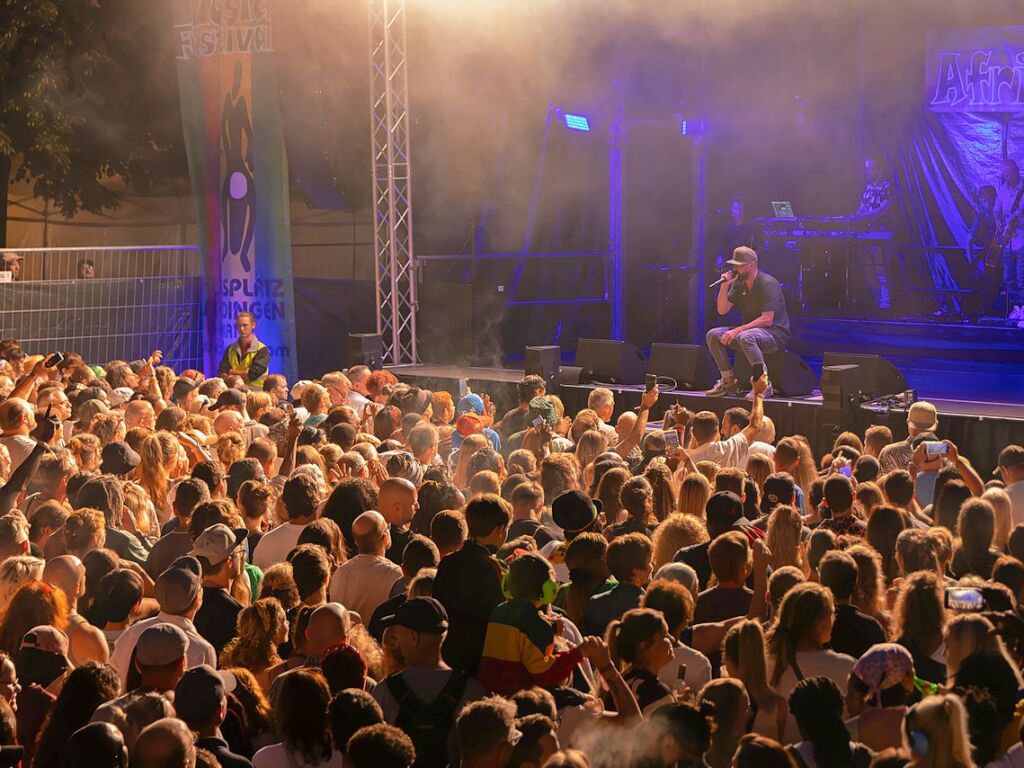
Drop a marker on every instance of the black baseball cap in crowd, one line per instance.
(574, 511)
(1010, 456)
(200, 691)
(119, 459)
(181, 388)
(229, 397)
(420, 614)
(779, 488)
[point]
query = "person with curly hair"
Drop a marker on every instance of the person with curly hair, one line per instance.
(262, 627)
(35, 604)
(674, 533)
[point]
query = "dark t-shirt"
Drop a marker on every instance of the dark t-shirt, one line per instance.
(647, 688)
(764, 295)
(532, 528)
(721, 603)
(399, 539)
(516, 420)
(217, 617)
(854, 632)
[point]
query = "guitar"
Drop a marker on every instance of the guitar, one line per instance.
(1000, 240)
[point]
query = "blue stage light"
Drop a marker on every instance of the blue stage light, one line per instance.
(577, 122)
(682, 127)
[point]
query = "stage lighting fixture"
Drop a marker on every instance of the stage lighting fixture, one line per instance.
(577, 122)
(682, 128)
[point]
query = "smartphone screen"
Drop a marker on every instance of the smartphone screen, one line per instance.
(671, 438)
(846, 471)
(651, 382)
(935, 448)
(965, 599)
(538, 421)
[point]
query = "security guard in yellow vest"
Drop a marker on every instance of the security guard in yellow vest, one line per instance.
(248, 357)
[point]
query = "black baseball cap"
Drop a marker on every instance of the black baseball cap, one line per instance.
(1010, 456)
(229, 397)
(420, 614)
(574, 511)
(200, 691)
(119, 459)
(779, 488)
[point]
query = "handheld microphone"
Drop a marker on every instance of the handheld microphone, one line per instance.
(718, 282)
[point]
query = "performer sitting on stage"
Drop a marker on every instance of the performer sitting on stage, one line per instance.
(248, 357)
(758, 297)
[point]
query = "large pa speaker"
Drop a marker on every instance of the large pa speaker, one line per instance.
(790, 375)
(366, 349)
(544, 362)
(605, 361)
(691, 365)
(876, 376)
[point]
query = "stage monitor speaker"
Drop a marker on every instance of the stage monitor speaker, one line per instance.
(544, 362)
(569, 375)
(839, 385)
(366, 349)
(691, 365)
(610, 362)
(789, 374)
(877, 376)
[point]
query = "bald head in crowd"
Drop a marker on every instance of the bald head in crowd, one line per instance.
(328, 626)
(139, 413)
(67, 574)
(397, 501)
(370, 531)
(167, 743)
(228, 421)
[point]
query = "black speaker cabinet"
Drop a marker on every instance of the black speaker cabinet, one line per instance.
(544, 362)
(691, 365)
(790, 375)
(365, 349)
(605, 361)
(876, 376)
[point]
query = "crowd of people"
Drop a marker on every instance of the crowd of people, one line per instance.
(357, 572)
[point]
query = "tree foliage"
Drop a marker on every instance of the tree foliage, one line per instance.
(87, 94)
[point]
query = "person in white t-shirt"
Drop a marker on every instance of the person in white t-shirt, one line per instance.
(706, 437)
(359, 395)
(300, 498)
(796, 645)
(364, 582)
(1011, 471)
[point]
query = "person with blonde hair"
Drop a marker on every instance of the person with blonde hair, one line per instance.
(797, 640)
(793, 455)
(694, 492)
(262, 627)
(157, 468)
(935, 733)
(231, 448)
(16, 572)
(675, 532)
(743, 654)
(759, 466)
(783, 538)
(919, 621)
(1000, 501)
(965, 634)
(660, 477)
(469, 446)
(591, 444)
(869, 592)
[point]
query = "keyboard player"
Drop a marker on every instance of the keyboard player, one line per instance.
(875, 204)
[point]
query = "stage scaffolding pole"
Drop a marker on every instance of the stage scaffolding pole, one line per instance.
(394, 262)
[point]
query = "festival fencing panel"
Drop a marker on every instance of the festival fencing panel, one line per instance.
(239, 172)
(137, 299)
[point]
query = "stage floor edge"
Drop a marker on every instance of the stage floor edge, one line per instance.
(980, 428)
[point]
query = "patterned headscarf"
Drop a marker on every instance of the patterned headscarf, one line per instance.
(883, 666)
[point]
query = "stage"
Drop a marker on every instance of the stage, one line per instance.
(980, 428)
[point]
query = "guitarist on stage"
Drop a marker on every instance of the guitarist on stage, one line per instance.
(1008, 211)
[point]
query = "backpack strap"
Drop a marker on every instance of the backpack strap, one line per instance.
(455, 687)
(398, 688)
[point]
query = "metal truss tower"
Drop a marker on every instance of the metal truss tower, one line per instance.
(395, 263)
